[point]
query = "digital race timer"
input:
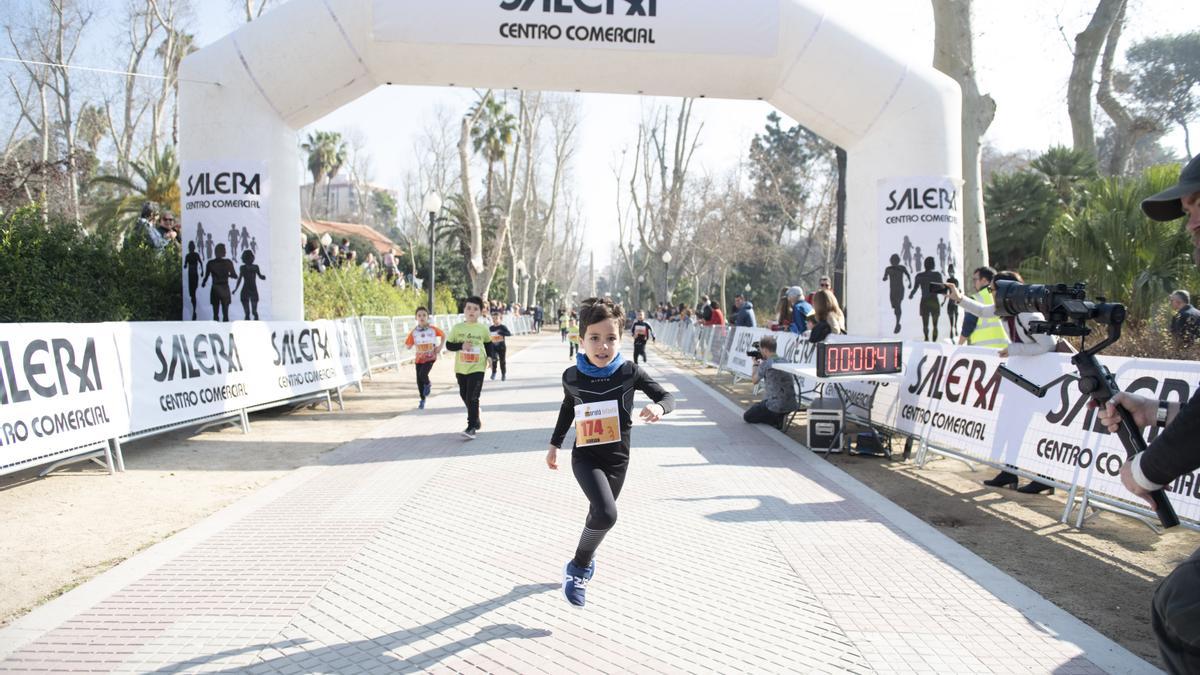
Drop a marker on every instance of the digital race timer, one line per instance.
(859, 358)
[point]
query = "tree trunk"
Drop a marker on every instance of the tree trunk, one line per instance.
(1128, 128)
(1079, 88)
(724, 278)
(953, 54)
(839, 249)
(474, 243)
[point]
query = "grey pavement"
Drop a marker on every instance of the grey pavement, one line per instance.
(412, 549)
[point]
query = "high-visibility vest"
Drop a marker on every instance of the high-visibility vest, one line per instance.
(988, 332)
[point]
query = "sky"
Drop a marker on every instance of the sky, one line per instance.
(1022, 56)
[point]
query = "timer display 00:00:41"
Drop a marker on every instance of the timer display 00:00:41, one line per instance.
(865, 358)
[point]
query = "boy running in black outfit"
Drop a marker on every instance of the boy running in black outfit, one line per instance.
(497, 350)
(641, 330)
(598, 399)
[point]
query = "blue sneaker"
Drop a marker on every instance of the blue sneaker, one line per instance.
(575, 581)
(422, 406)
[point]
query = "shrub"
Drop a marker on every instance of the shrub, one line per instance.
(53, 271)
(346, 291)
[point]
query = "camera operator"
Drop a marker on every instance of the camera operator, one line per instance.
(1175, 611)
(779, 391)
(1021, 342)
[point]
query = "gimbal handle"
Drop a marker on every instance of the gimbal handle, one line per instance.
(1098, 382)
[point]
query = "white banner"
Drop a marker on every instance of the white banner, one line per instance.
(736, 360)
(956, 399)
(180, 371)
(226, 240)
(751, 28)
(920, 246)
(60, 388)
(306, 356)
(350, 350)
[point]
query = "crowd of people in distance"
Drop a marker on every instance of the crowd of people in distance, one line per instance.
(384, 267)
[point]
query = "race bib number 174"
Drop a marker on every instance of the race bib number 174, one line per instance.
(597, 423)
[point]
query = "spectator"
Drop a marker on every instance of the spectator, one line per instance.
(801, 309)
(168, 228)
(744, 316)
(371, 266)
(685, 317)
(704, 311)
(1021, 343)
(316, 260)
(779, 391)
(983, 332)
(1185, 325)
(145, 230)
(390, 268)
(783, 316)
(829, 317)
(822, 284)
(715, 317)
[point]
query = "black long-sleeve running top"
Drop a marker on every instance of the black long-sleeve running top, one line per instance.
(1174, 452)
(620, 386)
(646, 333)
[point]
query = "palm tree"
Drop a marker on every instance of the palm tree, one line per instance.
(335, 160)
(317, 147)
(492, 134)
(1069, 172)
(1109, 244)
(1020, 207)
(155, 180)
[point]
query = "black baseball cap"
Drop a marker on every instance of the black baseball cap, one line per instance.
(1166, 205)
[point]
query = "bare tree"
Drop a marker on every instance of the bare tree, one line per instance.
(954, 55)
(1128, 128)
(360, 164)
(564, 120)
(253, 8)
(481, 264)
(662, 158)
(53, 39)
(175, 45)
(1088, 44)
(141, 26)
(529, 121)
(435, 149)
(33, 105)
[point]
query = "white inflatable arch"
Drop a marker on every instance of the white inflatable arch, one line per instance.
(898, 121)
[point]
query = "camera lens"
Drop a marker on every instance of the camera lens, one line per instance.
(1013, 298)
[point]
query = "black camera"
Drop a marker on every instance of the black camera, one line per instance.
(1066, 308)
(1067, 311)
(754, 353)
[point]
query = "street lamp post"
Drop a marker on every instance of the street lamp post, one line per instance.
(432, 205)
(666, 258)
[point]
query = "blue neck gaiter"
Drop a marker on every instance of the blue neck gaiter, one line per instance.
(588, 369)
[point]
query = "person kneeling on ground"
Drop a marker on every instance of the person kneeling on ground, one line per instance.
(779, 392)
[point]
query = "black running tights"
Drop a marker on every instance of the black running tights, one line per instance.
(601, 482)
(423, 376)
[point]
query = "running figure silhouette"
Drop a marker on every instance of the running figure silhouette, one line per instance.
(896, 275)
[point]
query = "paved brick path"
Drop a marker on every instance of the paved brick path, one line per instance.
(414, 550)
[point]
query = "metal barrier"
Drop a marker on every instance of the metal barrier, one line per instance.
(384, 336)
(381, 340)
